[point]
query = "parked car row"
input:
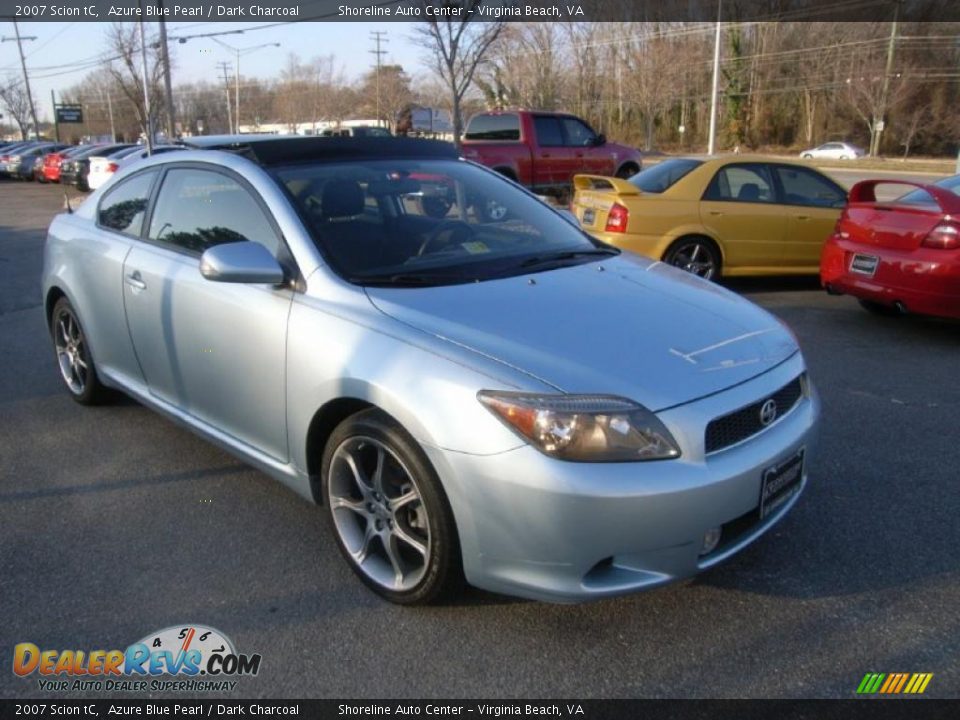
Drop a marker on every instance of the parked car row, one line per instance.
(86, 167)
(739, 215)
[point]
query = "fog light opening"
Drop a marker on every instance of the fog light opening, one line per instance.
(710, 541)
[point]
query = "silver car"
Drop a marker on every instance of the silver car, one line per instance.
(507, 403)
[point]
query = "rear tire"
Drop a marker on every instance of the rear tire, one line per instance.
(875, 308)
(697, 255)
(389, 513)
(627, 171)
(73, 356)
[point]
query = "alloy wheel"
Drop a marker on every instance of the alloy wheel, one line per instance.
(71, 351)
(695, 257)
(378, 513)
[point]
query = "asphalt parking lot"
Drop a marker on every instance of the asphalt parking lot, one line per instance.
(114, 523)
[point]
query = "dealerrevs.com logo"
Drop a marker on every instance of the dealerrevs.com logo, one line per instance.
(200, 658)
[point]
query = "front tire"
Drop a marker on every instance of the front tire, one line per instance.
(627, 171)
(807, 156)
(388, 511)
(697, 255)
(73, 356)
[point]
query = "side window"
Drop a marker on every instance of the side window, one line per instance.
(123, 207)
(742, 183)
(548, 131)
(197, 209)
(578, 134)
(804, 187)
(494, 127)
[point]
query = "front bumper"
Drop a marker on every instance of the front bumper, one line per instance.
(550, 530)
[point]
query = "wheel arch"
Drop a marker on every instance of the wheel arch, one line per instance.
(53, 296)
(625, 165)
(321, 426)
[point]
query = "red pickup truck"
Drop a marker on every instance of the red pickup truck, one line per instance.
(544, 150)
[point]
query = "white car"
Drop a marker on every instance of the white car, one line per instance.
(834, 151)
(102, 168)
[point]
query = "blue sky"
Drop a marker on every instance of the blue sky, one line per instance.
(66, 44)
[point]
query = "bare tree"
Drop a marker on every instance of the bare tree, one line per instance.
(456, 48)
(13, 95)
(395, 93)
(126, 71)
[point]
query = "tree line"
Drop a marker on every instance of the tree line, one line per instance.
(782, 85)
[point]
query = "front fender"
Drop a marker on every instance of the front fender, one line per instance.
(428, 385)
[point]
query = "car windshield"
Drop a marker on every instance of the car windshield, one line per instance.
(661, 176)
(922, 197)
(430, 222)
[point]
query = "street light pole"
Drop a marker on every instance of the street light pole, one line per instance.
(168, 83)
(146, 87)
(236, 81)
(236, 95)
(712, 141)
(26, 78)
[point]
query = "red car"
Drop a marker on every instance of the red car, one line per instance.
(53, 161)
(901, 256)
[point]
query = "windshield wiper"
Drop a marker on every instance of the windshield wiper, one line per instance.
(412, 279)
(565, 255)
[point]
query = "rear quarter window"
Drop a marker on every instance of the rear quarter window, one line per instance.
(494, 127)
(122, 209)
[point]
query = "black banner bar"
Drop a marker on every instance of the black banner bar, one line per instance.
(860, 709)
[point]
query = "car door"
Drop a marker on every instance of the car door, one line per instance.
(555, 163)
(592, 159)
(211, 349)
(97, 268)
(812, 203)
(740, 209)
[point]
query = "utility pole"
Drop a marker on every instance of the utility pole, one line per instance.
(879, 122)
(168, 83)
(712, 141)
(146, 86)
(379, 37)
(224, 67)
(26, 78)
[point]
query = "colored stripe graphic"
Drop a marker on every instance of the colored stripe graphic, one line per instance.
(894, 683)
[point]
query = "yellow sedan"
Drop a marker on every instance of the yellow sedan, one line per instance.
(737, 215)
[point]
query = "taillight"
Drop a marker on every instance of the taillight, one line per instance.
(112, 167)
(617, 219)
(945, 236)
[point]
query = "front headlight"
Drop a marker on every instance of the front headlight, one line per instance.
(583, 428)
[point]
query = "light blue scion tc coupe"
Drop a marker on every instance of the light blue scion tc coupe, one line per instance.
(503, 401)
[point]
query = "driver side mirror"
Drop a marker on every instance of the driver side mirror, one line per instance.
(599, 140)
(241, 262)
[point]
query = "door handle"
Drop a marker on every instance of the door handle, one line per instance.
(716, 213)
(545, 155)
(135, 281)
(802, 217)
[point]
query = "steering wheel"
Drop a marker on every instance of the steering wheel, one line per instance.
(447, 226)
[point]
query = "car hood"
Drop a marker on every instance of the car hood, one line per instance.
(635, 328)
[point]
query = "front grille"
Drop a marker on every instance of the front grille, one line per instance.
(740, 424)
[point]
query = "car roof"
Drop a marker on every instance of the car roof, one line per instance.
(290, 149)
